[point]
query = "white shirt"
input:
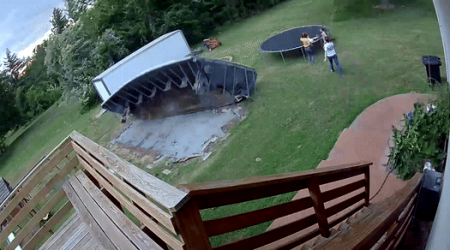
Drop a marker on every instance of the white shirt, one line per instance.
(329, 49)
(323, 34)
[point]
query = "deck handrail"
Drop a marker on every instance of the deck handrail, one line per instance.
(221, 193)
(220, 187)
(151, 201)
(154, 188)
(30, 173)
(384, 227)
(172, 217)
(35, 196)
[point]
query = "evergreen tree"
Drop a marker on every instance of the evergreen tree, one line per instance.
(75, 8)
(59, 21)
(9, 114)
(14, 66)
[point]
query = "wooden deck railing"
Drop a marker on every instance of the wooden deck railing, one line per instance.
(386, 225)
(151, 201)
(42, 187)
(172, 218)
(216, 194)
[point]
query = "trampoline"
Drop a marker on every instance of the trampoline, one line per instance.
(289, 40)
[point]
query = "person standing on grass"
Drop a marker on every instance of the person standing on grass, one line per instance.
(330, 53)
(323, 34)
(307, 44)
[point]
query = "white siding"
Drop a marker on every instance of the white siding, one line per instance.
(443, 14)
(169, 47)
(101, 90)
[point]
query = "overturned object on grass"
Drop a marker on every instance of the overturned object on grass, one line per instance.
(166, 69)
(212, 43)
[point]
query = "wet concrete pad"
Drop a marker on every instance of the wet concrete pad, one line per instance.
(180, 136)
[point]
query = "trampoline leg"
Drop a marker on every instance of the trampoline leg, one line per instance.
(303, 53)
(262, 58)
(266, 60)
(282, 57)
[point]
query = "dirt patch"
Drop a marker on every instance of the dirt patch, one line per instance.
(240, 114)
(138, 156)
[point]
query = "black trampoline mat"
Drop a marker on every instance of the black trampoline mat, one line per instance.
(289, 39)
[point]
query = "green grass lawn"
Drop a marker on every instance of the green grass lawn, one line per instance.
(298, 110)
(27, 146)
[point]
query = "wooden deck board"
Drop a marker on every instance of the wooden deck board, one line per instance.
(97, 222)
(88, 219)
(72, 235)
(155, 189)
(62, 230)
(128, 229)
(109, 229)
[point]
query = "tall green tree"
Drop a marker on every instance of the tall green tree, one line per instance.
(112, 29)
(9, 114)
(59, 21)
(36, 72)
(14, 66)
(38, 91)
(75, 8)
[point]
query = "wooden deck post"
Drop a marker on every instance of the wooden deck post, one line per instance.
(319, 208)
(367, 187)
(191, 228)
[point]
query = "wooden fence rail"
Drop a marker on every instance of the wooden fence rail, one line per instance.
(221, 193)
(170, 218)
(386, 225)
(42, 188)
(151, 201)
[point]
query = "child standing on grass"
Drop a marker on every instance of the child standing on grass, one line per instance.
(323, 34)
(330, 53)
(307, 44)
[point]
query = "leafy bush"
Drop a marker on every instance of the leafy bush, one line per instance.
(88, 98)
(423, 138)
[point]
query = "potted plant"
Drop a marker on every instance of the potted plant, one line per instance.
(423, 139)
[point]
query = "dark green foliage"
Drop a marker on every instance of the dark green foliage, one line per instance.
(109, 50)
(37, 90)
(9, 114)
(75, 8)
(74, 59)
(138, 22)
(423, 138)
(113, 29)
(78, 51)
(13, 65)
(59, 21)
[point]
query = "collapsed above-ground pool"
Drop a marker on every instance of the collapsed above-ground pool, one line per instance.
(163, 78)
